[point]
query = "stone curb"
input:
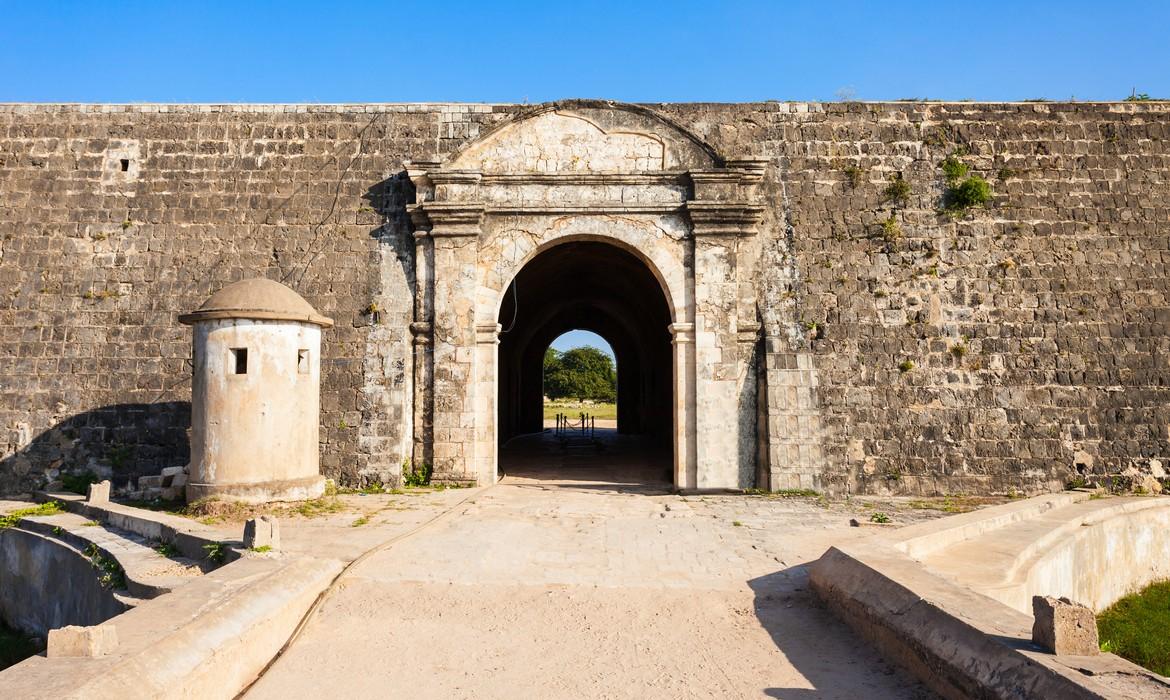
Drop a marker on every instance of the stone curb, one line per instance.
(245, 614)
(923, 538)
(189, 538)
(140, 583)
(960, 643)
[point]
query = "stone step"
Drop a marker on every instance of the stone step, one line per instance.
(148, 573)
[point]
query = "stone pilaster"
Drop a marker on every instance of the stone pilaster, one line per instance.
(454, 233)
(725, 386)
(487, 345)
(685, 461)
(422, 329)
(423, 396)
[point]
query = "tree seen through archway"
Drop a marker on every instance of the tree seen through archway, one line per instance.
(582, 373)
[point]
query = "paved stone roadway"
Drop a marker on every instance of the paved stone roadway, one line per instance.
(574, 586)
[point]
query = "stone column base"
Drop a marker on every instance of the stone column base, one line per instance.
(260, 491)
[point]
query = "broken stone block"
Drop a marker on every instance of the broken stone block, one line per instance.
(1083, 461)
(82, 641)
(169, 475)
(1148, 484)
(263, 531)
(1064, 627)
(99, 492)
(149, 482)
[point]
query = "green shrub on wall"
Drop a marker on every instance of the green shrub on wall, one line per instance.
(898, 191)
(972, 192)
(963, 191)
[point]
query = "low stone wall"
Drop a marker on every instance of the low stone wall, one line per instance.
(206, 641)
(926, 538)
(919, 621)
(188, 537)
(1091, 550)
(924, 597)
(1098, 560)
(45, 584)
(47, 581)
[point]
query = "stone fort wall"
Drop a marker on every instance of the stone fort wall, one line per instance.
(1000, 349)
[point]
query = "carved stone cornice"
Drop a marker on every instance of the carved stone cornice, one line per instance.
(455, 177)
(454, 202)
(682, 333)
(422, 331)
(716, 177)
(616, 208)
(737, 182)
(724, 218)
(448, 218)
(747, 332)
(487, 333)
(662, 177)
(751, 169)
(419, 173)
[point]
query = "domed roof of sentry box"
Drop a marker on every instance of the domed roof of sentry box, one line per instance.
(257, 298)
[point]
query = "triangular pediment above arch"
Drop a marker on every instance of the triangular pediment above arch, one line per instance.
(583, 139)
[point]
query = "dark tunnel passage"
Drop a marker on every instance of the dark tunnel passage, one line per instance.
(600, 288)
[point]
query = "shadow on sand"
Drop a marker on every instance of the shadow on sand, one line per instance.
(835, 661)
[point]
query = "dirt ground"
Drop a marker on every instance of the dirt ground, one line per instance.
(420, 640)
(554, 584)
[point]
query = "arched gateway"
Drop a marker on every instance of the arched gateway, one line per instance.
(588, 181)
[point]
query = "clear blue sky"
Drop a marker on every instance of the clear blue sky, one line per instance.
(682, 50)
(579, 338)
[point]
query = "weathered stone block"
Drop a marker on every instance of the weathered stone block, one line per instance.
(150, 482)
(1064, 627)
(99, 492)
(169, 474)
(82, 641)
(263, 531)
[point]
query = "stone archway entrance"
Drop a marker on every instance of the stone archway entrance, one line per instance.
(607, 175)
(599, 287)
(593, 286)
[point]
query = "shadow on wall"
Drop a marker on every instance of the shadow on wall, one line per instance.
(119, 442)
(834, 661)
(389, 199)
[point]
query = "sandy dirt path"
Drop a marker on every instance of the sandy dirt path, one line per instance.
(571, 590)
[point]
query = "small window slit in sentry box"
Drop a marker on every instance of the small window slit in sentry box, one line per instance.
(302, 361)
(125, 163)
(239, 360)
